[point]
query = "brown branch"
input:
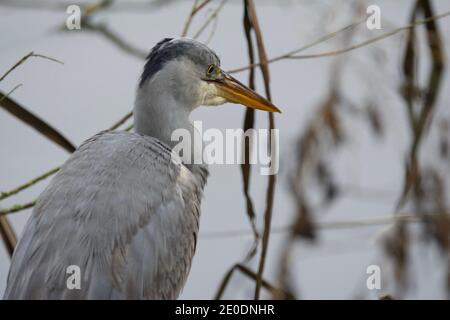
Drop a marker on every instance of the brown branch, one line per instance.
(252, 275)
(92, 8)
(200, 6)
(35, 122)
(249, 122)
(8, 235)
(272, 178)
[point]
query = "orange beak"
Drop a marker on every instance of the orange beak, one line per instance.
(234, 91)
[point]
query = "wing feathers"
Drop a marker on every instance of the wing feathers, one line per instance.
(124, 210)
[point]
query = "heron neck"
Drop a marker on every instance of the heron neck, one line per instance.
(159, 115)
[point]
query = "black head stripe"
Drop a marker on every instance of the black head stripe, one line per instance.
(167, 50)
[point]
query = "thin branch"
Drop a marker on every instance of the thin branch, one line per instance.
(131, 126)
(212, 31)
(200, 6)
(28, 184)
(331, 225)
(293, 54)
(367, 42)
(322, 39)
(121, 121)
(17, 208)
(211, 18)
(24, 58)
(4, 96)
(252, 275)
(92, 8)
(195, 8)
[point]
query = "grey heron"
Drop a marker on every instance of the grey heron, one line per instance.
(121, 208)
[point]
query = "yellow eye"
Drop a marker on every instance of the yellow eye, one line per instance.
(210, 69)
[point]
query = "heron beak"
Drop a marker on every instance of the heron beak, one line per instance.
(236, 92)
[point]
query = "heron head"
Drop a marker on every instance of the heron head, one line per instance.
(191, 72)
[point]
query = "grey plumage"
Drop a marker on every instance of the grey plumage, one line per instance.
(122, 209)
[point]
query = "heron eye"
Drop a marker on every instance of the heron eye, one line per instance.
(211, 69)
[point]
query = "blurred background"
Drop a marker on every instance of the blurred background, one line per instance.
(364, 134)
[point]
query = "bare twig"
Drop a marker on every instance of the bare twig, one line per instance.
(367, 42)
(17, 208)
(24, 58)
(4, 96)
(28, 184)
(131, 126)
(121, 121)
(93, 7)
(293, 54)
(331, 225)
(212, 31)
(211, 18)
(249, 273)
(195, 8)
